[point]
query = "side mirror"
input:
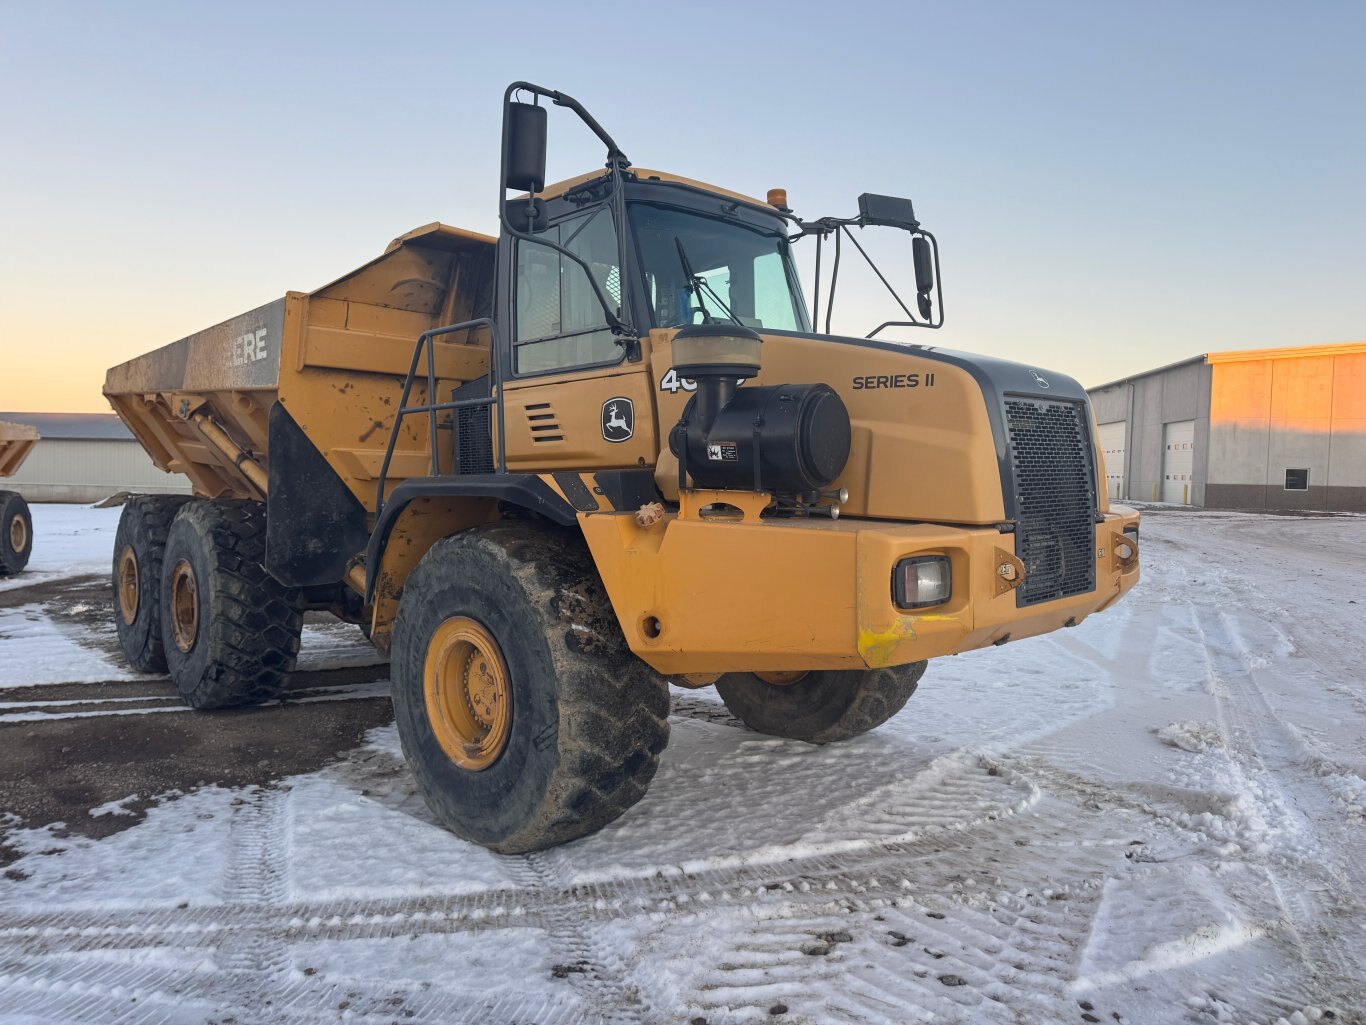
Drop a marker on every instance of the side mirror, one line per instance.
(524, 147)
(923, 258)
(924, 263)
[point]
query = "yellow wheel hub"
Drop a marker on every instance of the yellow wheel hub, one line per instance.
(468, 693)
(18, 534)
(184, 605)
(782, 679)
(128, 585)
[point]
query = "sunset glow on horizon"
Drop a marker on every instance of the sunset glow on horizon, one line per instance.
(1113, 188)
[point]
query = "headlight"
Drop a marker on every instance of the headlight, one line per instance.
(921, 581)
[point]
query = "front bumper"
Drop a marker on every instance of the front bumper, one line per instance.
(698, 596)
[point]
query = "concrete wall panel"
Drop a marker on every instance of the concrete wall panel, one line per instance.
(1111, 404)
(1297, 443)
(1349, 387)
(1347, 459)
(1238, 451)
(1302, 389)
(1145, 463)
(1180, 393)
(1148, 400)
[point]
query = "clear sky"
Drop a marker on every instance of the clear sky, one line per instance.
(1114, 186)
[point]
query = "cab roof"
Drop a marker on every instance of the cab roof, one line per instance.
(645, 174)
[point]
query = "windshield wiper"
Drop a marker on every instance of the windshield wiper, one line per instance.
(698, 285)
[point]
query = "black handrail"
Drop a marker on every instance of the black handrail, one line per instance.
(431, 407)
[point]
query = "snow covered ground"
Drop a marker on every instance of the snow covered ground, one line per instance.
(1159, 816)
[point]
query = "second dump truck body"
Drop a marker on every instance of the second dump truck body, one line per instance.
(800, 517)
(16, 523)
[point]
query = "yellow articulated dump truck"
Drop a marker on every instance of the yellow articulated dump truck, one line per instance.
(16, 524)
(552, 471)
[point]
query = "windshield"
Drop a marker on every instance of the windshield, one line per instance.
(699, 269)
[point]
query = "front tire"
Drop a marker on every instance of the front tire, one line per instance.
(521, 710)
(16, 533)
(230, 630)
(820, 707)
(139, 544)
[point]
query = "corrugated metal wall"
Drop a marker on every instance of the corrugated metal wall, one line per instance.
(70, 470)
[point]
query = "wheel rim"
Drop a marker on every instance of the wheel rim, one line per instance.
(128, 585)
(783, 679)
(468, 693)
(184, 605)
(18, 534)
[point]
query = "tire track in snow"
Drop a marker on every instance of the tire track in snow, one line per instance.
(857, 866)
(942, 949)
(257, 877)
(598, 980)
(1319, 880)
(879, 874)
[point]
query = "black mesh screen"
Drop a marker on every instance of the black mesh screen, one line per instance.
(473, 438)
(1055, 494)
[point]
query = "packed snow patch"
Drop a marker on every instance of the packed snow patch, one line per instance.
(1197, 737)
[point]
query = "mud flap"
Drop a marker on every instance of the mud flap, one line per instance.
(314, 524)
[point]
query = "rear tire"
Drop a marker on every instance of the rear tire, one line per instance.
(230, 630)
(822, 706)
(139, 544)
(575, 735)
(16, 533)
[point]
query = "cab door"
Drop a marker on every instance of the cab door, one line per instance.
(572, 399)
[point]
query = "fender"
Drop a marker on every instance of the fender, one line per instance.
(525, 490)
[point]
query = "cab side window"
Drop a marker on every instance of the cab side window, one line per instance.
(560, 323)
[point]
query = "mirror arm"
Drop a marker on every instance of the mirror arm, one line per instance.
(617, 161)
(834, 280)
(816, 302)
(939, 296)
(823, 226)
(880, 276)
(615, 157)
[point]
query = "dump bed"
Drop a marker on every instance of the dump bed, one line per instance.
(326, 366)
(16, 442)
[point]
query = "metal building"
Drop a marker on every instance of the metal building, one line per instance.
(86, 457)
(1255, 429)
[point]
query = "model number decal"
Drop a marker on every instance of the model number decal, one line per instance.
(671, 382)
(894, 381)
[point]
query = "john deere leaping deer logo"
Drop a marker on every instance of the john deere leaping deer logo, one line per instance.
(618, 419)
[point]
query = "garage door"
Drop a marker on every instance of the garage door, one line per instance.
(1178, 462)
(1112, 445)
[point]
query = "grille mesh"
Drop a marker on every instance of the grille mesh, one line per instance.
(473, 441)
(1055, 498)
(473, 436)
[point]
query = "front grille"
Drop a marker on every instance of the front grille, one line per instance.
(1055, 498)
